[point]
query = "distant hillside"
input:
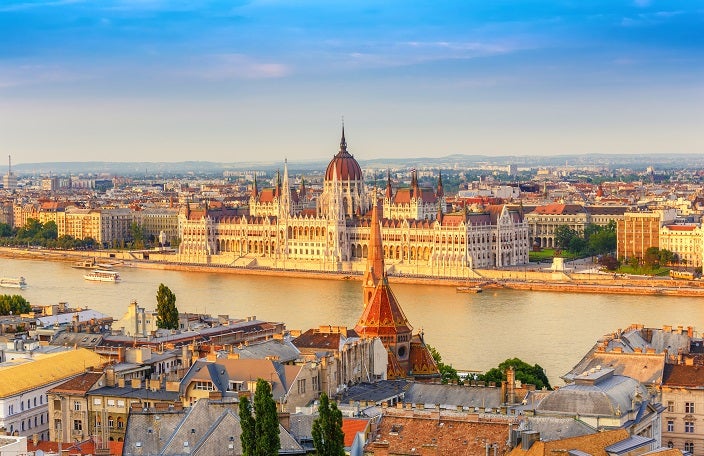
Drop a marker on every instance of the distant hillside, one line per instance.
(659, 161)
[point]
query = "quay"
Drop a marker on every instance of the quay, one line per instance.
(526, 278)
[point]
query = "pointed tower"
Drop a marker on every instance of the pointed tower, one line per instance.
(255, 190)
(440, 192)
(382, 316)
(389, 190)
(285, 208)
(302, 189)
(375, 260)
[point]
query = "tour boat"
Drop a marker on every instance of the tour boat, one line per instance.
(85, 264)
(469, 289)
(13, 282)
(100, 275)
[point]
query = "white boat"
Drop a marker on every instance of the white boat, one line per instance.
(85, 264)
(13, 282)
(101, 275)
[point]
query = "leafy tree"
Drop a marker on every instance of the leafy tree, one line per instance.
(247, 423)
(666, 256)
(30, 230)
(167, 313)
(603, 241)
(14, 304)
(577, 245)
(328, 438)
(49, 230)
(526, 373)
(137, 235)
(563, 236)
(6, 230)
(448, 374)
(609, 262)
(260, 433)
(652, 258)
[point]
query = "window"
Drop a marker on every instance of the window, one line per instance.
(670, 406)
(97, 401)
(689, 446)
(689, 407)
(111, 402)
(77, 425)
(111, 422)
(316, 385)
(120, 423)
(670, 426)
(77, 406)
(35, 401)
(689, 427)
(301, 386)
(120, 403)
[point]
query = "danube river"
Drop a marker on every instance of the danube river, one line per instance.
(471, 331)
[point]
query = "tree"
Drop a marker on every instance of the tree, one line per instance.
(448, 374)
(534, 375)
(652, 258)
(49, 230)
(167, 313)
(260, 433)
(14, 304)
(563, 236)
(328, 438)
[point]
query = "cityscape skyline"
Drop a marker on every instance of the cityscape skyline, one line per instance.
(128, 80)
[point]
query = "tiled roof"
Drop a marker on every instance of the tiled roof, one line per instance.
(79, 384)
(680, 375)
(559, 209)
(45, 371)
(87, 447)
(593, 444)
(351, 426)
(440, 435)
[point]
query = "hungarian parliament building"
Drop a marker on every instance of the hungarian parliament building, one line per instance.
(287, 229)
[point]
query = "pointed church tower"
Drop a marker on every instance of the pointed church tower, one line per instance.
(440, 192)
(285, 208)
(389, 190)
(255, 190)
(382, 316)
(375, 270)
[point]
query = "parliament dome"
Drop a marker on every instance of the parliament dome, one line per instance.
(344, 164)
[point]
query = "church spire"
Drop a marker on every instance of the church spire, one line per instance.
(389, 190)
(255, 190)
(343, 142)
(375, 271)
(440, 192)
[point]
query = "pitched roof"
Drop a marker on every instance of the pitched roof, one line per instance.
(680, 375)
(351, 426)
(593, 444)
(16, 379)
(78, 385)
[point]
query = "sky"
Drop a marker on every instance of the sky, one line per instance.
(230, 81)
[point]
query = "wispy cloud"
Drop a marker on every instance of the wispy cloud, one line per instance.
(237, 66)
(35, 74)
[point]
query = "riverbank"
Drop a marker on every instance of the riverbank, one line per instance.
(516, 279)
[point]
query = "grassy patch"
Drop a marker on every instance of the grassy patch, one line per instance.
(548, 254)
(641, 270)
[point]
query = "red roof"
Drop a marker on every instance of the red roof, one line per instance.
(350, 427)
(87, 447)
(682, 227)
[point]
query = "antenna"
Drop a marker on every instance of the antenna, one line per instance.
(9, 164)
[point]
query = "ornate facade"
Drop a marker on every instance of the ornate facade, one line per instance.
(286, 230)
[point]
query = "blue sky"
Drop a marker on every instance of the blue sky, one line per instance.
(154, 80)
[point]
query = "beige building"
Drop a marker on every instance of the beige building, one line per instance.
(683, 395)
(684, 240)
(158, 220)
(105, 226)
(68, 407)
(24, 408)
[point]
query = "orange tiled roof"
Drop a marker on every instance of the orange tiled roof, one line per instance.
(383, 315)
(351, 426)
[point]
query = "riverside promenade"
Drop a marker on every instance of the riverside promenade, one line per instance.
(527, 277)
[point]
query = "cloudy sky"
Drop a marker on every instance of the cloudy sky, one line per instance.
(127, 80)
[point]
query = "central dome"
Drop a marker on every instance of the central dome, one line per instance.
(344, 164)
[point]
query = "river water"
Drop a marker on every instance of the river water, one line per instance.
(471, 331)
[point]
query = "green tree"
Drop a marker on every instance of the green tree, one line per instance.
(14, 304)
(534, 375)
(6, 230)
(167, 313)
(49, 230)
(260, 433)
(247, 423)
(328, 438)
(563, 236)
(651, 259)
(137, 235)
(448, 374)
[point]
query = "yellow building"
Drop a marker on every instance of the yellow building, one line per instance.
(685, 241)
(24, 408)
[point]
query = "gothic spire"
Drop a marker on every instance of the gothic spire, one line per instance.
(375, 271)
(255, 190)
(440, 192)
(389, 190)
(343, 142)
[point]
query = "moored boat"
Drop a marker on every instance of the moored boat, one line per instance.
(85, 264)
(469, 289)
(101, 275)
(13, 282)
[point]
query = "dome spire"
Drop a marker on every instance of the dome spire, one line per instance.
(343, 142)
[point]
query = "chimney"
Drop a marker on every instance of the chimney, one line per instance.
(35, 439)
(528, 438)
